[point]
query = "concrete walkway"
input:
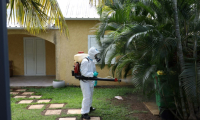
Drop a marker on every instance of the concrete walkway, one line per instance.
(31, 81)
(53, 109)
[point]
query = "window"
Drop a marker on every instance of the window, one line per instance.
(93, 43)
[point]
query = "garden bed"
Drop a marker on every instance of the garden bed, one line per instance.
(136, 107)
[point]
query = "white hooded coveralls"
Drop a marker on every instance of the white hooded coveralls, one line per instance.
(87, 86)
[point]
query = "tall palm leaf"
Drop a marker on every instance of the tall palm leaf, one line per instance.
(126, 32)
(189, 71)
(36, 15)
(157, 45)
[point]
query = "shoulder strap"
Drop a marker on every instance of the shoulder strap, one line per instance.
(87, 59)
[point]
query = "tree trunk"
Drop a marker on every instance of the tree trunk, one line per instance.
(182, 63)
(196, 21)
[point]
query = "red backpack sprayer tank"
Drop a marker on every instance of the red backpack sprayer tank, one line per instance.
(77, 74)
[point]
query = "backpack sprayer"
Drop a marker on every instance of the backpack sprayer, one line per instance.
(77, 74)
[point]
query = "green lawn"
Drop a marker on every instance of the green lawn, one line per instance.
(73, 97)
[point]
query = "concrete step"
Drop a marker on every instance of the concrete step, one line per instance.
(153, 108)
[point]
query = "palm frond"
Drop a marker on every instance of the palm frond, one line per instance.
(191, 81)
(36, 15)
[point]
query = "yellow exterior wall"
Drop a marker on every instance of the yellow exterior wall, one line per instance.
(50, 58)
(16, 54)
(65, 49)
(78, 41)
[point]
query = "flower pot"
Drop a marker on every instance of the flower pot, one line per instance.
(58, 83)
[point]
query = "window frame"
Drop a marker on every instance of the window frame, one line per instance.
(90, 44)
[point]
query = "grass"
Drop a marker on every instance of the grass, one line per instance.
(73, 97)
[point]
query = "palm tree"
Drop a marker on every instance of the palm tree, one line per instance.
(180, 53)
(189, 78)
(129, 36)
(146, 40)
(35, 15)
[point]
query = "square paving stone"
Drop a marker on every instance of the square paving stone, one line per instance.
(56, 105)
(74, 111)
(53, 112)
(43, 101)
(20, 90)
(25, 101)
(36, 106)
(27, 93)
(95, 118)
(14, 93)
(68, 118)
(35, 96)
(19, 96)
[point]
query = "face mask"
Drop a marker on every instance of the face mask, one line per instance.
(97, 57)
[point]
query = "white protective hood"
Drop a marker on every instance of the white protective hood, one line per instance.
(92, 52)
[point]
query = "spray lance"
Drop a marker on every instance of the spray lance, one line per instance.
(77, 74)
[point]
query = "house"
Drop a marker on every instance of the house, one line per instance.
(50, 53)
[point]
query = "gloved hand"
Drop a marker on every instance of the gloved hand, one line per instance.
(95, 83)
(95, 74)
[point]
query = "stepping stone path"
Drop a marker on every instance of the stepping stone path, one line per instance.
(67, 118)
(34, 96)
(27, 93)
(36, 106)
(25, 101)
(53, 112)
(74, 111)
(19, 96)
(52, 109)
(20, 90)
(56, 106)
(43, 101)
(14, 93)
(94, 118)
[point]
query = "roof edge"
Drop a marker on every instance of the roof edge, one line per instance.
(21, 28)
(82, 18)
(14, 28)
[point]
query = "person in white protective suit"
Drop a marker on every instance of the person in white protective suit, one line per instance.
(88, 69)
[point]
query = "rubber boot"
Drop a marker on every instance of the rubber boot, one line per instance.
(92, 109)
(85, 116)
